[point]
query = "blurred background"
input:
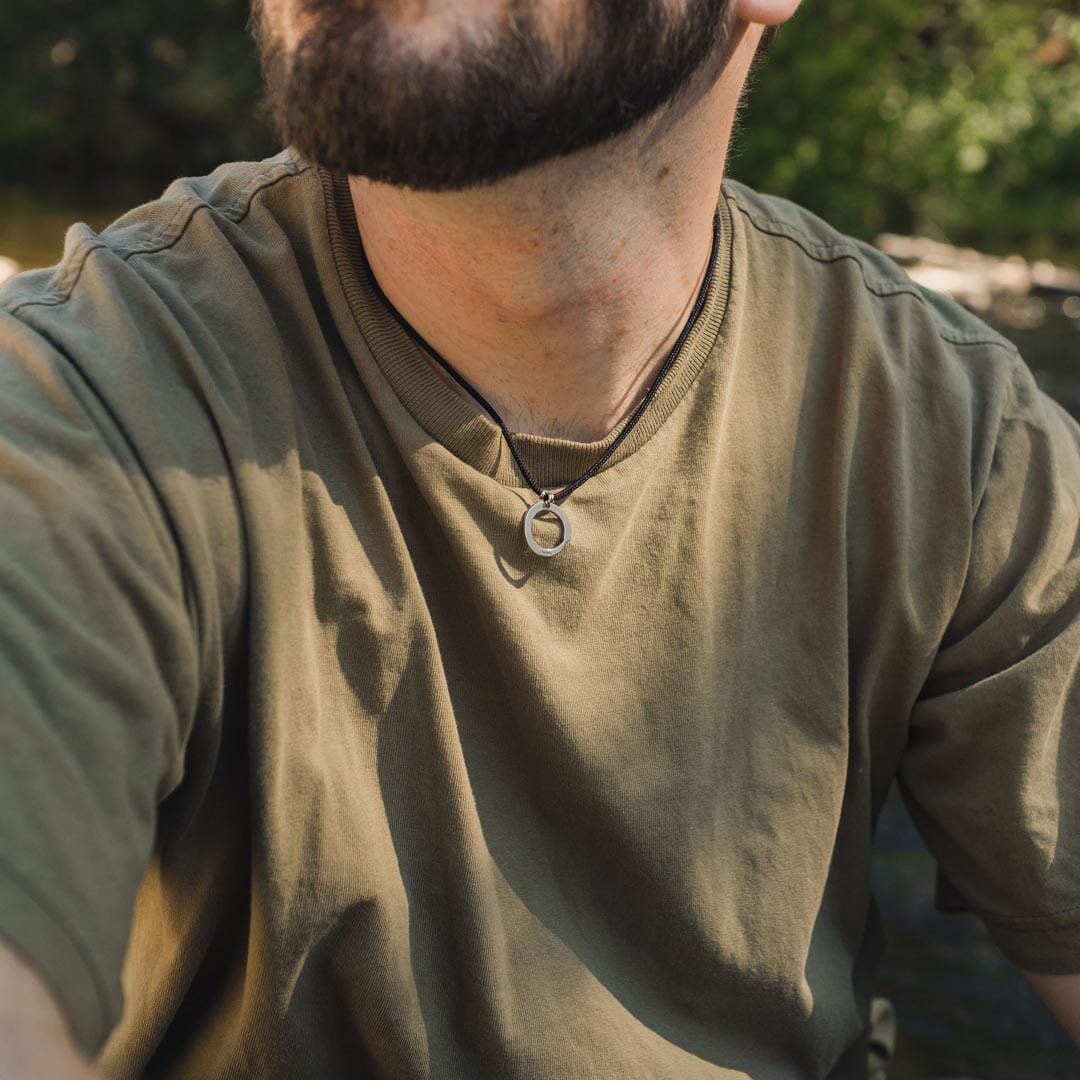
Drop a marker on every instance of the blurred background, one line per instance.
(947, 133)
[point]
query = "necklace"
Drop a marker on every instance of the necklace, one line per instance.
(549, 500)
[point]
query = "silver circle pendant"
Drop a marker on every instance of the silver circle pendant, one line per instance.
(546, 504)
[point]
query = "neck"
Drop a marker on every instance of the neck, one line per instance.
(559, 292)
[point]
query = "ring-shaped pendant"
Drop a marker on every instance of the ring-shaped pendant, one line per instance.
(546, 503)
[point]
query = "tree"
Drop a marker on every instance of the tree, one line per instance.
(960, 120)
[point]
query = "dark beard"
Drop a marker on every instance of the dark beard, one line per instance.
(355, 100)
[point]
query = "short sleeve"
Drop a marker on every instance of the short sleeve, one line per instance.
(990, 772)
(98, 677)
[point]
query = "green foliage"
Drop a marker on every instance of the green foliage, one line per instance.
(957, 118)
(110, 101)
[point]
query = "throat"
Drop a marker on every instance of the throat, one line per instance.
(562, 335)
(579, 409)
(570, 428)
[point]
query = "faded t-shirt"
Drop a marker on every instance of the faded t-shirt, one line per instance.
(292, 717)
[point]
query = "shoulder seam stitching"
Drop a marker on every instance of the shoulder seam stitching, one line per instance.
(161, 241)
(836, 252)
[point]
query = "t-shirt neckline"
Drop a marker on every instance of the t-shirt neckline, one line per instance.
(452, 417)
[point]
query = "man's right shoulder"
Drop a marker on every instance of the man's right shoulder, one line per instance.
(151, 360)
(175, 306)
(138, 243)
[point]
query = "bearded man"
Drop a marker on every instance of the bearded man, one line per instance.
(468, 583)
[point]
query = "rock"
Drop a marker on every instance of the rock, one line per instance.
(973, 278)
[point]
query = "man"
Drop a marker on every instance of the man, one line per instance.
(469, 582)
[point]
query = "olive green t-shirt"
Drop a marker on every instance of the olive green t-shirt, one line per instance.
(310, 768)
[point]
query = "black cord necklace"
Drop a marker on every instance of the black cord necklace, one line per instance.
(549, 500)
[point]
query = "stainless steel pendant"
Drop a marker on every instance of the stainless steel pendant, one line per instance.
(548, 504)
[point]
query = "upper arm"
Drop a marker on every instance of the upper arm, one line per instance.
(98, 677)
(988, 771)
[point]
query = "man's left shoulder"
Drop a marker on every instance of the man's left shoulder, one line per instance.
(828, 260)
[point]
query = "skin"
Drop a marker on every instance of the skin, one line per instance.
(557, 292)
(1061, 995)
(35, 1040)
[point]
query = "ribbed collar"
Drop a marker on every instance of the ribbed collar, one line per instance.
(453, 418)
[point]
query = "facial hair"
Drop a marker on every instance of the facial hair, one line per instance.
(356, 96)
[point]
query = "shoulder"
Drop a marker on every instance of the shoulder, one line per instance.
(163, 327)
(176, 309)
(143, 349)
(854, 321)
(819, 258)
(914, 381)
(208, 211)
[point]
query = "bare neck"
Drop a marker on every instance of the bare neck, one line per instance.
(558, 293)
